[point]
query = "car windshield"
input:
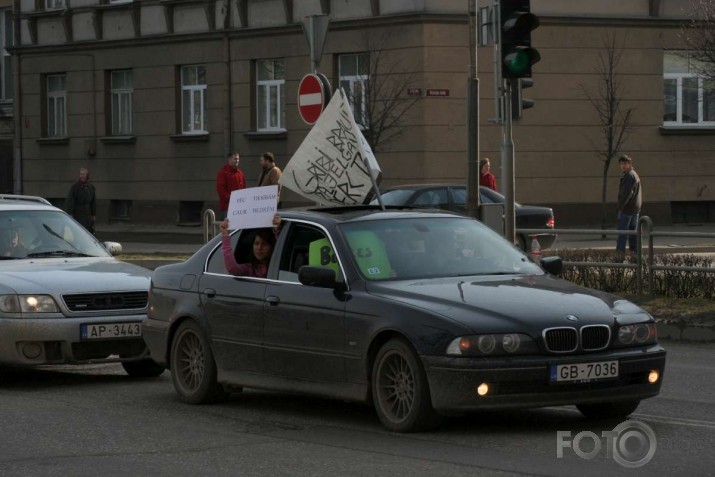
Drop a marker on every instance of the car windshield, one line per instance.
(45, 234)
(415, 248)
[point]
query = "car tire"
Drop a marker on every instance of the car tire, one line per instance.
(607, 410)
(400, 390)
(146, 368)
(193, 369)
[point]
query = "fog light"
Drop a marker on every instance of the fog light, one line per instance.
(31, 350)
(653, 376)
(483, 389)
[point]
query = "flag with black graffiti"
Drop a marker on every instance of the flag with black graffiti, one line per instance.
(332, 166)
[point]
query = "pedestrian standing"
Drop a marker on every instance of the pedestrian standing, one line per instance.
(229, 179)
(629, 205)
(82, 201)
(270, 173)
(486, 178)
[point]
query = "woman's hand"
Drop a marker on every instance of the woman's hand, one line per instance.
(224, 227)
(276, 223)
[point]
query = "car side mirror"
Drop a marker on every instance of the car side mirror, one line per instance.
(552, 265)
(322, 277)
(113, 247)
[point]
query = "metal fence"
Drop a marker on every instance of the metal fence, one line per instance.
(645, 233)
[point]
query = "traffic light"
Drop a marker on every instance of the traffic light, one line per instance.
(517, 22)
(518, 101)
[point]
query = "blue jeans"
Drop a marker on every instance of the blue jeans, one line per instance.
(627, 222)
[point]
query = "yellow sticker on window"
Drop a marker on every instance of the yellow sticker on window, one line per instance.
(320, 254)
(370, 255)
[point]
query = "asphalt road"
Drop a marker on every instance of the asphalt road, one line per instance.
(95, 420)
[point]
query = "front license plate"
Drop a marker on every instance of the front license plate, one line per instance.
(583, 372)
(111, 330)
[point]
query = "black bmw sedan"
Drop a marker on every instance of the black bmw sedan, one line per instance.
(419, 313)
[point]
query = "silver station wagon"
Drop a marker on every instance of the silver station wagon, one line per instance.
(64, 299)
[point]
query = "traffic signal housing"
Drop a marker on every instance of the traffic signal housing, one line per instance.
(516, 24)
(518, 102)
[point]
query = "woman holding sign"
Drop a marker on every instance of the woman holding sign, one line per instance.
(263, 245)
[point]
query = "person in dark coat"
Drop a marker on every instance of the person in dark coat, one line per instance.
(82, 201)
(229, 178)
(629, 205)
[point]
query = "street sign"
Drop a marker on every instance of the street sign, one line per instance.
(313, 96)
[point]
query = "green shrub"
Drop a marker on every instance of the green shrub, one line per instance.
(669, 283)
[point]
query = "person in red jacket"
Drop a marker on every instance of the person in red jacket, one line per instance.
(229, 179)
(486, 178)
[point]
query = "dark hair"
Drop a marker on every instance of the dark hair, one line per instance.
(267, 235)
(625, 158)
(268, 156)
(482, 162)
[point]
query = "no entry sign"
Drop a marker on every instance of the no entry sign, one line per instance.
(313, 96)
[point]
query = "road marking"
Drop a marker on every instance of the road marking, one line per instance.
(676, 420)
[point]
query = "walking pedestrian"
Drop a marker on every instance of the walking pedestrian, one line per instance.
(629, 205)
(486, 178)
(229, 179)
(82, 201)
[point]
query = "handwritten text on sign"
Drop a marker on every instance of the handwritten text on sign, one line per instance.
(252, 208)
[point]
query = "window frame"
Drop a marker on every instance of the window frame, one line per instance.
(193, 89)
(362, 119)
(55, 4)
(119, 116)
(56, 118)
(274, 84)
(680, 104)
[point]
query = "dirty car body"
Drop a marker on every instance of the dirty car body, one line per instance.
(421, 313)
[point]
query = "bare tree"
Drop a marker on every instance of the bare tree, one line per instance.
(615, 122)
(384, 98)
(699, 36)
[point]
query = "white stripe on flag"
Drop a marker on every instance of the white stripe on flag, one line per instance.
(309, 99)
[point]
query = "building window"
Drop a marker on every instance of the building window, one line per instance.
(56, 106)
(270, 95)
(354, 75)
(193, 99)
(6, 83)
(688, 97)
(122, 88)
(54, 4)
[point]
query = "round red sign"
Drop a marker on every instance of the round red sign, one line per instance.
(311, 98)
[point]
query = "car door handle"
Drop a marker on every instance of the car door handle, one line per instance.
(210, 292)
(273, 300)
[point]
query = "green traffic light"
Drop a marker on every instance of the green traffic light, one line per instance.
(518, 62)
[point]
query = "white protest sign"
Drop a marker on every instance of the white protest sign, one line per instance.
(252, 208)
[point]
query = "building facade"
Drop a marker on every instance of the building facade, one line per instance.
(151, 95)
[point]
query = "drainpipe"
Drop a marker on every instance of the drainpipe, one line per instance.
(17, 102)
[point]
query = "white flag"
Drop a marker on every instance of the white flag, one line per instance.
(330, 167)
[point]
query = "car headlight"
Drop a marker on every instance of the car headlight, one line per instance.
(492, 345)
(637, 335)
(28, 304)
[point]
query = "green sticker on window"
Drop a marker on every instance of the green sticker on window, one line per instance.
(370, 255)
(320, 254)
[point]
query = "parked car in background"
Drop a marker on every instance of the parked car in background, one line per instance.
(64, 299)
(420, 313)
(453, 197)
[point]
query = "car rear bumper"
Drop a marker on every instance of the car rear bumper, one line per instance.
(524, 382)
(31, 342)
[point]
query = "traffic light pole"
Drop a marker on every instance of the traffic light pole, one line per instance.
(507, 161)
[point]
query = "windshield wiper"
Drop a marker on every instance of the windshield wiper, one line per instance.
(57, 253)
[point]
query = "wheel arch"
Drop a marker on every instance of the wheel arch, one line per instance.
(377, 342)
